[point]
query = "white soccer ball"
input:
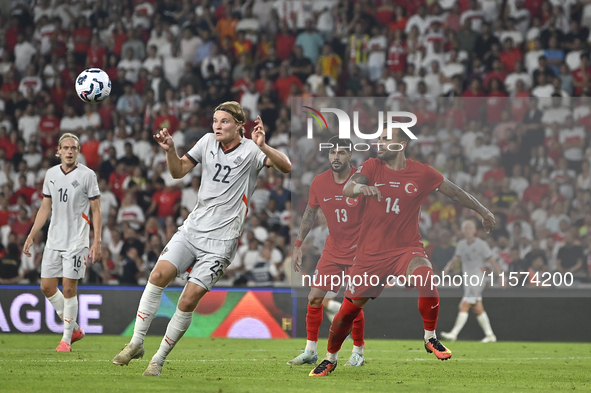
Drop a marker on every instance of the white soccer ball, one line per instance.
(93, 85)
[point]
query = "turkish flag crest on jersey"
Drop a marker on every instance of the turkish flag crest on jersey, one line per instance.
(411, 188)
(352, 201)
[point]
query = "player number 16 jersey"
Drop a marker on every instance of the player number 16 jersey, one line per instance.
(70, 195)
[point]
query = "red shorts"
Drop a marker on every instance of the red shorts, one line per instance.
(370, 278)
(329, 276)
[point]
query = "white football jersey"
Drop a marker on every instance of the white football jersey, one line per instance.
(70, 195)
(228, 180)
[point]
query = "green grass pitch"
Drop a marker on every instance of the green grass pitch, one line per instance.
(29, 363)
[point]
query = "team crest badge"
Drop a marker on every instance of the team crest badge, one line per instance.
(411, 188)
(75, 183)
(352, 202)
(238, 161)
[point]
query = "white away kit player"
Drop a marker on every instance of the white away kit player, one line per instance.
(473, 253)
(207, 241)
(70, 191)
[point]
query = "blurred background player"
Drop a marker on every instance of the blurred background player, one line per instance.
(206, 242)
(389, 239)
(343, 216)
(70, 191)
(473, 253)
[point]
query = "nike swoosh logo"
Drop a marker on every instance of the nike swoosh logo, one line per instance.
(52, 182)
(419, 253)
(432, 307)
(327, 199)
(378, 185)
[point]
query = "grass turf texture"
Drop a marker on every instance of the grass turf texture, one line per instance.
(30, 363)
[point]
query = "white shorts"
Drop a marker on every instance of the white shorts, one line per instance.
(197, 260)
(473, 294)
(68, 264)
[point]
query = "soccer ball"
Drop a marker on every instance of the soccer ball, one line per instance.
(93, 85)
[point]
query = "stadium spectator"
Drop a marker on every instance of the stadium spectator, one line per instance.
(535, 191)
(310, 41)
(10, 265)
(443, 252)
(570, 258)
(131, 267)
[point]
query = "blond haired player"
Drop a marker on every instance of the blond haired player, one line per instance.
(70, 191)
(473, 253)
(207, 241)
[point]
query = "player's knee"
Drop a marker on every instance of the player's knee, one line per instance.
(158, 278)
(191, 297)
(48, 290)
(155, 277)
(478, 309)
(189, 303)
(419, 263)
(315, 301)
(358, 301)
(69, 292)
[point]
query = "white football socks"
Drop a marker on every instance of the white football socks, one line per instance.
(57, 301)
(428, 334)
(484, 323)
(70, 315)
(177, 326)
(358, 350)
(312, 346)
(461, 320)
(146, 312)
(332, 357)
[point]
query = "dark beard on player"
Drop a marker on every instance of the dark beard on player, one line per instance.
(340, 169)
(389, 155)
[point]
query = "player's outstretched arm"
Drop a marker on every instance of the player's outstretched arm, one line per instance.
(465, 199)
(40, 220)
(450, 264)
(177, 166)
(97, 222)
(275, 158)
(358, 185)
(495, 265)
(305, 227)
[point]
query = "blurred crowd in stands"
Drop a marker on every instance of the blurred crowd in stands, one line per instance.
(500, 89)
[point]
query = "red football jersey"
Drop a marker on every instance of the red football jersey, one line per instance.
(343, 216)
(393, 223)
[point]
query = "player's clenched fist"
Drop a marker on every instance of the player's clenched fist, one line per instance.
(164, 139)
(372, 192)
(488, 222)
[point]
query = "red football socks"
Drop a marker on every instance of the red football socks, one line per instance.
(428, 297)
(341, 325)
(313, 322)
(358, 329)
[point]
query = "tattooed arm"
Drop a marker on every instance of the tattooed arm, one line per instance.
(465, 199)
(305, 227)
